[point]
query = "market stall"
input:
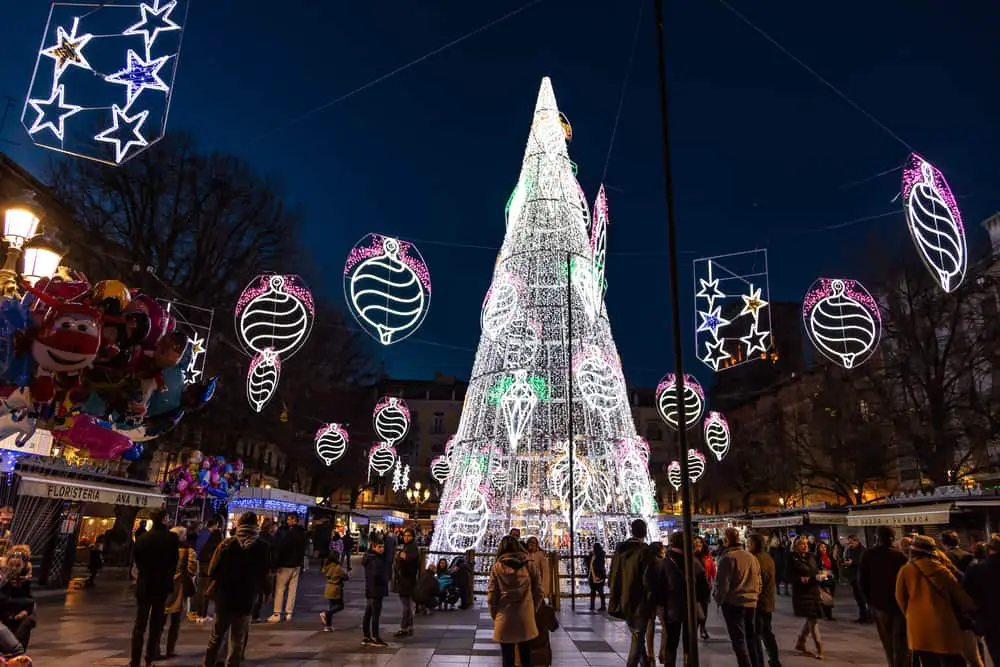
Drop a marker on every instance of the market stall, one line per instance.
(269, 503)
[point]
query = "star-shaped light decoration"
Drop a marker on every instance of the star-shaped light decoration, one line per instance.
(197, 346)
(139, 75)
(752, 303)
(710, 289)
(68, 50)
(52, 113)
(190, 374)
(715, 355)
(155, 19)
(712, 321)
(125, 132)
(755, 340)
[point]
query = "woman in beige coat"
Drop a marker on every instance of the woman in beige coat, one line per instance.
(540, 561)
(930, 596)
(514, 594)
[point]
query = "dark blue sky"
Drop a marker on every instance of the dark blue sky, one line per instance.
(761, 147)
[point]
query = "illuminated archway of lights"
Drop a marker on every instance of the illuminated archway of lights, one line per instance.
(935, 222)
(842, 320)
(388, 287)
(509, 463)
(667, 403)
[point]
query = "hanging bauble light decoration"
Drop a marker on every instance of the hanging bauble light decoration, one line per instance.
(275, 312)
(598, 379)
(667, 404)
(696, 465)
(262, 379)
(381, 458)
(440, 469)
(466, 523)
(388, 287)
(842, 320)
(674, 474)
(717, 434)
(331, 442)
(935, 222)
(392, 419)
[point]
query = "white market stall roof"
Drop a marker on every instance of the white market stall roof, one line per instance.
(800, 519)
(935, 511)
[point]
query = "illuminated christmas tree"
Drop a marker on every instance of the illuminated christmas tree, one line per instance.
(545, 335)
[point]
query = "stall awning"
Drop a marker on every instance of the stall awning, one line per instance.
(778, 521)
(79, 490)
(921, 515)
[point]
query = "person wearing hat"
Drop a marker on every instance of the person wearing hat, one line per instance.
(237, 574)
(935, 605)
(407, 567)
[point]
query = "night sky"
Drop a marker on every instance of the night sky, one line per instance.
(764, 153)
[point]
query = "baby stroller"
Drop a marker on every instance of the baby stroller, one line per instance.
(449, 594)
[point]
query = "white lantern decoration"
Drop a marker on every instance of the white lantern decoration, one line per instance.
(440, 469)
(674, 474)
(381, 459)
(331, 443)
(696, 465)
(842, 320)
(717, 435)
(392, 419)
(667, 404)
(262, 379)
(275, 312)
(388, 287)
(935, 222)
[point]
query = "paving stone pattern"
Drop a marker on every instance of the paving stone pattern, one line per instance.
(93, 627)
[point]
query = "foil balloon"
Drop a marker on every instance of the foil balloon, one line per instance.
(133, 453)
(99, 440)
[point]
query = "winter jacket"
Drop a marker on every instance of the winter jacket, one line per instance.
(513, 595)
(334, 589)
(540, 561)
(156, 561)
(291, 547)
(982, 582)
(805, 595)
(877, 576)
(765, 601)
(673, 595)
(737, 578)
(271, 542)
(187, 566)
(961, 558)
(239, 573)
(633, 576)
(597, 570)
(406, 569)
(207, 549)
(376, 575)
(853, 554)
(927, 594)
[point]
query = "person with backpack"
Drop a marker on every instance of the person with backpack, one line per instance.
(238, 571)
(633, 574)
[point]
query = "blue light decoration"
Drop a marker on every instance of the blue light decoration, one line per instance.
(731, 302)
(268, 505)
(103, 78)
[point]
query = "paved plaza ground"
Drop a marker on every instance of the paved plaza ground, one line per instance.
(93, 627)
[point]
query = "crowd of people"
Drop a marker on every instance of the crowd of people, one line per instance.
(933, 605)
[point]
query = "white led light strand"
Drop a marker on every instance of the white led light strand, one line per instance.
(667, 403)
(124, 132)
(139, 75)
(842, 320)
(517, 405)
(935, 222)
(717, 434)
(388, 287)
(401, 478)
(68, 51)
(331, 443)
(155, 17)
(61, 111)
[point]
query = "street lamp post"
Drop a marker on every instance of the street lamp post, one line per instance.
(20, 226)
(418, 497)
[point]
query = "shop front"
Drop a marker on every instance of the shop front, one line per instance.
(974, 517)
(376, 522)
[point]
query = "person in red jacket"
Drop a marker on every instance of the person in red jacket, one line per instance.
(702, 553)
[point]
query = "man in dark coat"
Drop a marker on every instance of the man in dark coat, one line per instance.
(348, 550)
(268, 529)
(852, 561)
(238, 572)
(290, 556)
(983, 585)
(376, 588)
(765, 603)
(407, 566)
(207, 549)
(674, 595)
(156, 555)
(956, 554)
(877, 574)
(633, 578)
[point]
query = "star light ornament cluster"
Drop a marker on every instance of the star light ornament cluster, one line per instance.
(274, 316)
(388, 287)
(731, 304)
(842, 320)
(935, 222)
(196, 323)
(102, 80)
(539, 362)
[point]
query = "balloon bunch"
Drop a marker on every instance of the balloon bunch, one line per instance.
(100, 365)
(204, 476)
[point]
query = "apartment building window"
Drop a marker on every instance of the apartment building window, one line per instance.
(437, 424)
(653, 431)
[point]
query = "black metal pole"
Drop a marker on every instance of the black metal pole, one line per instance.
(675, 313)
(572, 445)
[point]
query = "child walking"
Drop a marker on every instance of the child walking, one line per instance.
(333, 591)
(376, 588)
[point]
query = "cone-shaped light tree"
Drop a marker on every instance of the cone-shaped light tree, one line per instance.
(546, 374)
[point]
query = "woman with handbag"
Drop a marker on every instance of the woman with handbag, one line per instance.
(804, 575)
(938, 611)
(828, 579)
(597, 574)
(187, 568)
